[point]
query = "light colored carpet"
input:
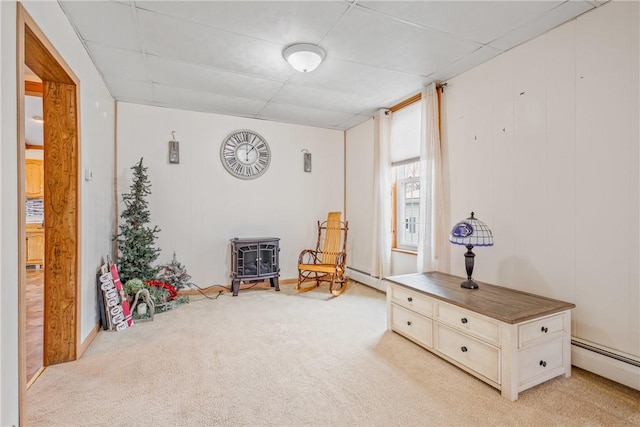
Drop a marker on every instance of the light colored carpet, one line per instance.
(288, 359)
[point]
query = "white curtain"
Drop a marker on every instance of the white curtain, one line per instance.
(382, 196)
(431, 188)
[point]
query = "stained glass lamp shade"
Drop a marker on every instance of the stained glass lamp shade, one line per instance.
(470, 232)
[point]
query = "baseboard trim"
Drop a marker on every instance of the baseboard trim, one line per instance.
(87, 342)
(602, 363)
(35, 377)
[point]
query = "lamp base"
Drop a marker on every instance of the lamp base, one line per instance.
(469, 284)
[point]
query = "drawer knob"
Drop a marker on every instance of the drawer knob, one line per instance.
(463, 349)
(409, 322)
(544, 329)
(464, 320)
(543, 363)
(409, 299)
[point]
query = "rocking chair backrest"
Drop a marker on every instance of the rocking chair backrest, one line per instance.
(334, 242)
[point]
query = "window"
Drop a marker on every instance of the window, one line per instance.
(407, 205)
(405, 162)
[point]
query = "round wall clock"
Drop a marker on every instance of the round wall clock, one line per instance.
(245, 154)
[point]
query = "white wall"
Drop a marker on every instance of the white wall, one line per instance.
(359, 185)
(34, 154)
(199, 206)
(97, 205)
(9, 218)
(542, 143)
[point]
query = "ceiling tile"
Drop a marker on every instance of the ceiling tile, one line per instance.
(108, 23)
(301, 115)
(374, 84)
(174, 38)
(324, 99)
(282, 22)
(463, 17)
(129, 90)
(118, 62)
(188, 76)
(549, 20)
(354, 121)
(202, 101)
(466, 63)
(369, 38)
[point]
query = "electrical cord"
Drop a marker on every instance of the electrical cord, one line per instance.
(224, 288)
(202, 290)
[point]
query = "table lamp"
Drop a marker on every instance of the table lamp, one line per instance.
(470, 232)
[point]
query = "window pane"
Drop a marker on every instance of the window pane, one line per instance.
(408, 205)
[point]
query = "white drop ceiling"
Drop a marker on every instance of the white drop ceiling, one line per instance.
(226, 56)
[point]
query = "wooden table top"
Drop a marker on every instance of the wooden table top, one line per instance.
(504, 304)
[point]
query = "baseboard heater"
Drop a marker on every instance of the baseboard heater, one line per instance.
(606, 363)
(606, 353)
(365, 278)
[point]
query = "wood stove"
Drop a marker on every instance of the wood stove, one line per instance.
(255, 260)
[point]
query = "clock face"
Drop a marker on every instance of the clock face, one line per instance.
(245, 154)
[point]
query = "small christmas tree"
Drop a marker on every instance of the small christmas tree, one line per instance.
(175, 274)
(136, 238)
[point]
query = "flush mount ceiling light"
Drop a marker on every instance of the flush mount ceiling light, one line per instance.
(304, 57)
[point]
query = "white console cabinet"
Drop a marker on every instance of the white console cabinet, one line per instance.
(510, 339)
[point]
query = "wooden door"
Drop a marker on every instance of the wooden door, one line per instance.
(61, 224)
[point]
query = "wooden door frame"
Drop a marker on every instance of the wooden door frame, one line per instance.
(62, 242)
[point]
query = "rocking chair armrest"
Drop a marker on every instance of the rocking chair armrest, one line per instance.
(311, 254)
(341, 259)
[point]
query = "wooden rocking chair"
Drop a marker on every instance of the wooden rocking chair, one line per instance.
(327, 262)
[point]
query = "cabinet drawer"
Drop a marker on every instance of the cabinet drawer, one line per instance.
(412, 300)
(412, 325)
(540, 329)
(540, 360)
(472, 323)
(477, 355)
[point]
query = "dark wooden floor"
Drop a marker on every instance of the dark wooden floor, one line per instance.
(34, 330)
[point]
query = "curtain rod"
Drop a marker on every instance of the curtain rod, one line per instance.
(411, 100)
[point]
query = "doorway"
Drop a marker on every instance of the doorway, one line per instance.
(34, 230)
(61, 309)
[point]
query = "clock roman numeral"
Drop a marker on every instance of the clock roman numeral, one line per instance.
(237, 167)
